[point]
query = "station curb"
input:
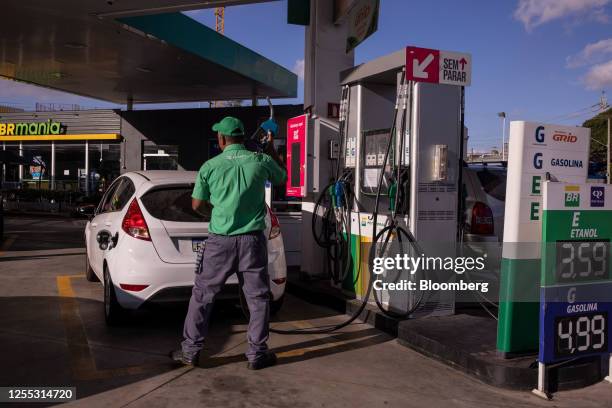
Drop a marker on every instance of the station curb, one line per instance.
(483, 364)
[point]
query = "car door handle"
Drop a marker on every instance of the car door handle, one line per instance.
(108, 224)
(94, 224)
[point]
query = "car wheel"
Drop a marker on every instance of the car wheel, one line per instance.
(275, 305)
(90, 275)
(114, 314)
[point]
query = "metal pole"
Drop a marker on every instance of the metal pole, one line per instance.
(504, 139)
(460, 208)
(20, 165)
(3, 164)
(608, 155)
(87, 167)
(542, 390)
(52, 165)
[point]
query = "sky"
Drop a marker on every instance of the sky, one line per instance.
(542, 60)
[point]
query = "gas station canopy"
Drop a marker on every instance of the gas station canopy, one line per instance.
(140, 50)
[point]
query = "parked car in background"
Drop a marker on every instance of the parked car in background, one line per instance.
(86, 206)
(143, 239)
(485, 200)
(484, 194)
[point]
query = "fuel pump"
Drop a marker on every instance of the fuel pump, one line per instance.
(396, 181)
(406, 176)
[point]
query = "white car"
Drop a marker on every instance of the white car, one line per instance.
(484, 188)
(485, 201)
(142, 243)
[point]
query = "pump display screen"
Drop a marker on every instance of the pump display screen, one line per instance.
(375, 144)
(579, 261)
(581, 334)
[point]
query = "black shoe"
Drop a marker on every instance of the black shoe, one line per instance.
(179, 357)
(267, 360)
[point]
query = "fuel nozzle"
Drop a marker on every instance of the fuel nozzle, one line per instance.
(392, 194)
(338, 194)
(332, 195)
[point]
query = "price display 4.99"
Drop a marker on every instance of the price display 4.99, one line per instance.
(581, 334)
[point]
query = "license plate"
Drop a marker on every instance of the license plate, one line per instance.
(197, 244)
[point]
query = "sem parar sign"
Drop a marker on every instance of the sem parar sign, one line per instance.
(438, 67)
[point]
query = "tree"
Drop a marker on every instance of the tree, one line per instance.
(599, 132)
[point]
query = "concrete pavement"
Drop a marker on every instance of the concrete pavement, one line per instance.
(52, 332)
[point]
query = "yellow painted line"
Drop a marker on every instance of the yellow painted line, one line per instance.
(301, 351)
(325, 345)
(64, 285)
(82, 362)
(303, 324)
(92, 136)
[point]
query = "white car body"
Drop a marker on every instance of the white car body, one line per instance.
(476, 192)
(166, 262)
(484, 245)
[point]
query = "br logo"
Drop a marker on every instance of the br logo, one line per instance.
(572, 196)
(539, 134)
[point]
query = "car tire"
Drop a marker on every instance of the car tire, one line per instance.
(114, 314)
(90, 275)
(275, 305)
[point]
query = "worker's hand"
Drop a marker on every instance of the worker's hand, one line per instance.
(270, 127)
(270, 143)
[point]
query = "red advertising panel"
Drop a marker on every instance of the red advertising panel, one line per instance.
(422, 65)
(296, 156)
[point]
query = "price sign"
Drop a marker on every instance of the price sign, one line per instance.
(581, 261)
(576, 290)
(580, 334)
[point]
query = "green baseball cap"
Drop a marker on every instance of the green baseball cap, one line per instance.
(229, 126)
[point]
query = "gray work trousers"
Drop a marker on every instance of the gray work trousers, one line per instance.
(246, 255)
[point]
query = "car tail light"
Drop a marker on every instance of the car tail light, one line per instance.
(132, 288)
(275, 229)
(134, 223)
(482, 219)
(279, 281)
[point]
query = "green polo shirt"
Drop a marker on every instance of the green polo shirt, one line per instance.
(234, 183)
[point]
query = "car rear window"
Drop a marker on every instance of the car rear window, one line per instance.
(172, 204)
(493, 182)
